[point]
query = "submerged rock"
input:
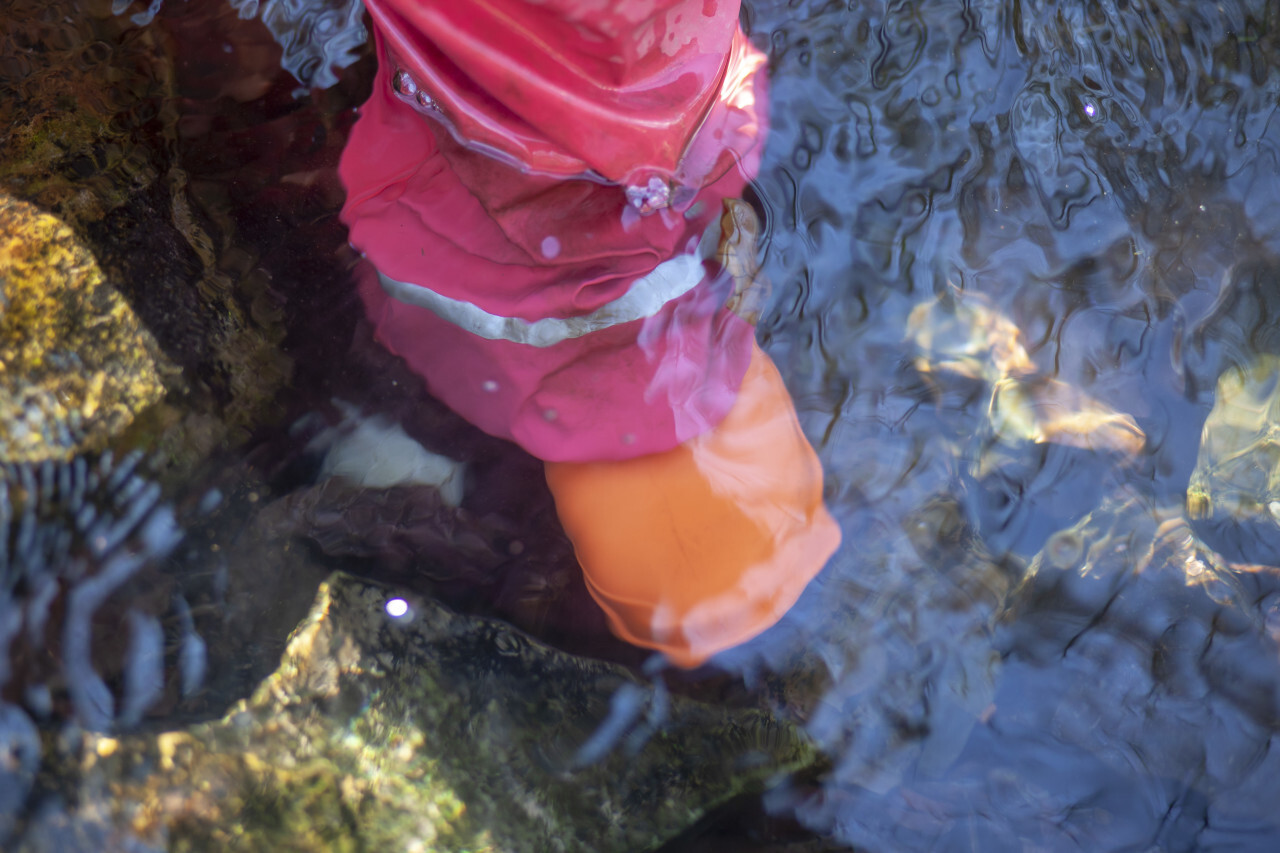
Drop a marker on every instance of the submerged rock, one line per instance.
(76, 366)
(1234, 493)
(1135, 568)
(1166, 651)
(77, 104)
(395, 724)
(92, 136)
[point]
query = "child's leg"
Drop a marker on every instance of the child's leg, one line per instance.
(584, 317)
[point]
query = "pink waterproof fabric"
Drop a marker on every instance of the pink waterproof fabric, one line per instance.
(638, 388)
(428, 210)
(566, 86)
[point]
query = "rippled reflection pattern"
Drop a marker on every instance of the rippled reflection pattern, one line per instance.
(1028, 642)
(316, 37)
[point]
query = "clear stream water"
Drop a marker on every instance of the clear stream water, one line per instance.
(1104, 176)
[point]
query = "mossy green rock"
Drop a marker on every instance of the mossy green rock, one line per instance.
(76, 365)
(90, 116)
(434, 731)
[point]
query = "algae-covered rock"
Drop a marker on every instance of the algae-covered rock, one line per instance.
(90, 120)
(75, 81)
(76, 366)
(1234, 492)
(430, 731)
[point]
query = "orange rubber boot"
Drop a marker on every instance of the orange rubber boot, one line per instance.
(702, 547)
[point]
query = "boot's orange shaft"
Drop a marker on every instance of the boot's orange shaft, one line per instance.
(702, 547)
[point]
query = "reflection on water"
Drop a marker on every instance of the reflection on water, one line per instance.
(1013, 246)
(316, 38)
(1103, 176)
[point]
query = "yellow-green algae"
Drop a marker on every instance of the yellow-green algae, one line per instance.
(89, 111)
(74, 85)
(1237, 473)
(437, 732)
(76, 366)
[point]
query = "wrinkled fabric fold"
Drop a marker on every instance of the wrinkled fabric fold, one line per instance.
(637, 78)
(431, 212)
(539, 189)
